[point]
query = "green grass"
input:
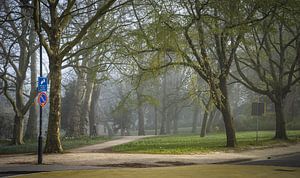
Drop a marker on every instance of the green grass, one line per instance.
(31, 146)
(189, 144)
(199, 171)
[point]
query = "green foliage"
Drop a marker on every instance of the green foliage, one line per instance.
(189, 144)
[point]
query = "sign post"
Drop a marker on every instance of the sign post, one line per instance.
(42, 87)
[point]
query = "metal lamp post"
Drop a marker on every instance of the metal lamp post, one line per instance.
(40, 138)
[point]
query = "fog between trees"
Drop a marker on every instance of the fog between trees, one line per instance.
(122, 67)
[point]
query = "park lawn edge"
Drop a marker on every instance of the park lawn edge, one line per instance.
(142, 146)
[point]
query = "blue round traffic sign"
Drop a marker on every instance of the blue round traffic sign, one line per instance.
(42, 99)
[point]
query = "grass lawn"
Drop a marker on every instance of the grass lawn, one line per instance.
(205, 171)
(31, 146)
(189, 144)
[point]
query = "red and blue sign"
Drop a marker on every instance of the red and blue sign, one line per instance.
(42, 99)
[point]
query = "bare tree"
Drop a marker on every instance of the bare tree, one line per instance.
(270, 53)
(16, 51)
(55, 22)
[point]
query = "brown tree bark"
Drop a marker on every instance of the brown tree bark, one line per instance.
(204, 124)
(56, 52)
(205, 117)
(18, 129)
(53, 144)
(224, 107)
(280, 132)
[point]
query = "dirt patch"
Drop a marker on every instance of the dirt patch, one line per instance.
(143, 165)
(23, 162)
(130, 165)
(104, 150)
(175, 163)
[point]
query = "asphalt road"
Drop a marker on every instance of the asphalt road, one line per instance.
(291, 160)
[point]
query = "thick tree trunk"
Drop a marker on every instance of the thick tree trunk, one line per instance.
(195, 118)
(53, 144)
(74, 127)
(86, 107)
(280, 132)
(18, 130)
(19, 116)
(93, 113)
(227, 116)
(141, 119)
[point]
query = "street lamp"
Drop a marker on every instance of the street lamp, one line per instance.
(40, 138)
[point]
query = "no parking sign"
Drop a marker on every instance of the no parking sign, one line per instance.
(42, 99)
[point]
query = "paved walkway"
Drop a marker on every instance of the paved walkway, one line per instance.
(109, 144)
(90, 156)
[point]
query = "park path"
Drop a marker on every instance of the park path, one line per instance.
(108, 144)
(92, 156)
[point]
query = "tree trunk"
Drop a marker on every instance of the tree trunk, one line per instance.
(53, 144)
(141, 119)
(93, 113)
(163, 124)
(122, 127)
(19, 116)
(164, 107)
(227, 116)
(175, 124)
(86, 107)
(204, 124)
(168, 123)
(195, 118)
(205, 117)
(109, 129)
(74, 127)
(280, 121)
(155, 120)
(18, 130)
(31, 130)
(211, 119)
